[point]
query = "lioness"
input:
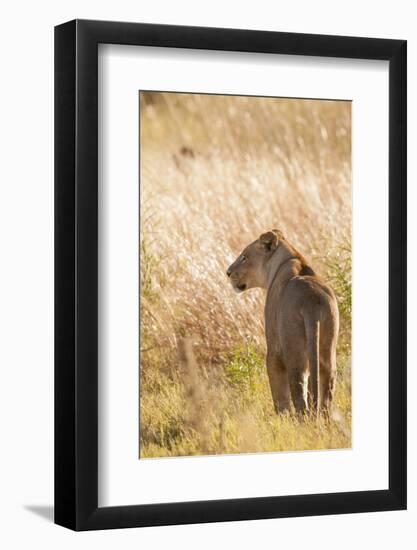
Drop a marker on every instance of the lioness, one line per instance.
(301, 321)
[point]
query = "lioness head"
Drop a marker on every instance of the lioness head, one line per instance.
(249, 269)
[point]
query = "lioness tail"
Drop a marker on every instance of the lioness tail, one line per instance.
(313, 343)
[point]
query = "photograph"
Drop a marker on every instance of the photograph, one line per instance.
(245, 259)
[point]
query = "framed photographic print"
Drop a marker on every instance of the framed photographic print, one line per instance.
(230, 252)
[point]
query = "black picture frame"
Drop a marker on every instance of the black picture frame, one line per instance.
(76, 272)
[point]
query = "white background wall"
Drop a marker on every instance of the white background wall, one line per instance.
(26, 286)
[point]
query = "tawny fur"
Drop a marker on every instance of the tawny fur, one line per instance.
(301, 322)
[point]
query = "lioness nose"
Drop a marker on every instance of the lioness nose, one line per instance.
(229, 272)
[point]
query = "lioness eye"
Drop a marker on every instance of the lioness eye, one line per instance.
(244, 258)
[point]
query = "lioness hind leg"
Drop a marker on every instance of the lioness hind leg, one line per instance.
(278, 381)
(298, 386)
(284, 394)
(327, 385)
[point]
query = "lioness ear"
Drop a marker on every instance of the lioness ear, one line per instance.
(269, 240)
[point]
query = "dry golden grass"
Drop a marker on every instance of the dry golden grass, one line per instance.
(215, 172)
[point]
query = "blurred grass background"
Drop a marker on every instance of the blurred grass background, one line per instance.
(215, 172)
